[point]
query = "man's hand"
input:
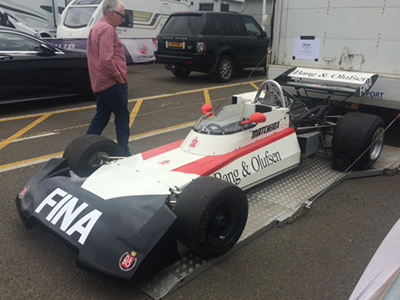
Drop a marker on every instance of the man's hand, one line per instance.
(119, 79)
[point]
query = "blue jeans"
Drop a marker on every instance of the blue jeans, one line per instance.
(115, 100)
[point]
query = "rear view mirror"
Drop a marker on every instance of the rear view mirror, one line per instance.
(256, 117)
(207, 109)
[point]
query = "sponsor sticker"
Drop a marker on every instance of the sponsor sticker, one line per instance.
(127, 261)
(23, 192)
(65, 211)
(164, 162)
(194, 143)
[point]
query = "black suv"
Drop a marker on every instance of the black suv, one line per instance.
(215, 43)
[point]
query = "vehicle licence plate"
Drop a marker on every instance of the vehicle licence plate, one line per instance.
(175, 44)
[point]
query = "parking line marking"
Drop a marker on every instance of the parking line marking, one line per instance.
(35, 137)
(29, 162)
(42, 159)
(131, 100)
(22, 131)
(207, 96)
(254, 85)
(33, 161)
(134, 112)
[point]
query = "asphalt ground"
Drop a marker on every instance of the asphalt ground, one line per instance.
(320, 256)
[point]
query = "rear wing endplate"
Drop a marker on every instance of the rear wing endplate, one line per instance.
(334, 82)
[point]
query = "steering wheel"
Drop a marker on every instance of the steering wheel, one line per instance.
(219, 127)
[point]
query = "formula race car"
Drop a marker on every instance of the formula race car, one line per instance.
(127, 217)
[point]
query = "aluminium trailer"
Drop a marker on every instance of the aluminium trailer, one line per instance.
(275, 203)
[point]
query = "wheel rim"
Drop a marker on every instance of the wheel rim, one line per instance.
(223, 226)
(377, 146)
(226, 69)
(98, 159)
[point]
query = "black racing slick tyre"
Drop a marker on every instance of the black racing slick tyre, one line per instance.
(354, 134)
(88, 152)
(225, 69)
(211, 215)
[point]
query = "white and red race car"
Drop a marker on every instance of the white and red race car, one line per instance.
(124, 217)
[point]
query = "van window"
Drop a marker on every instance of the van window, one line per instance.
(184, 24)
(78, 17)
(252, 27)
(128, 22)
(87, 2)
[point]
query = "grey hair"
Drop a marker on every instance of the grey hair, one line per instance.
(110, 5)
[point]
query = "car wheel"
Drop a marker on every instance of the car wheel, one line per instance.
(354, 133)
(180, 73)
(212, 214)
(225, 69)
(88, 152)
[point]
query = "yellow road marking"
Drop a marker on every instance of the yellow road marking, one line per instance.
(254, 85)
(31, 160)
(45, 158)
(22, 131)
(207, 97)
(135, 111)
(133, 115)
(131, 100)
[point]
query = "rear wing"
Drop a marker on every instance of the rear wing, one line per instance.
(336, 82)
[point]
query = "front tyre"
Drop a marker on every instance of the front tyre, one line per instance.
(356, 132)
(211, 215)
(225, 69)
(87, 153)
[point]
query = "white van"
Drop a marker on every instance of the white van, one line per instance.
(39, 15)
(7, 20)
(143, 19)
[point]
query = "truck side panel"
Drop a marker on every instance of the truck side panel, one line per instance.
(358, 35)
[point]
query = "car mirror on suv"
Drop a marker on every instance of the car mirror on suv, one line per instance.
(263, 35)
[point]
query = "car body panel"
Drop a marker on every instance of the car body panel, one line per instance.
(99, 232)
(120, 220)
(238, 36)
(30, 72)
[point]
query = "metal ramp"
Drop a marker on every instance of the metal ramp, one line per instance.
(274, 203)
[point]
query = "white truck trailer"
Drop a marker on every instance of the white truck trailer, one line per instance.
(332, 43)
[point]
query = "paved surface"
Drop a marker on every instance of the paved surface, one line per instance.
(320, 256)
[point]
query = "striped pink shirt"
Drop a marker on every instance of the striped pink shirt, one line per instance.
(106, 58)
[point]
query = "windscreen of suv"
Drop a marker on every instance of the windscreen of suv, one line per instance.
(184, 24)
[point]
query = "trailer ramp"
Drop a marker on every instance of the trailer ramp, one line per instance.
(274, 203)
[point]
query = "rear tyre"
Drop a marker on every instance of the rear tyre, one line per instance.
(225, 69)
(88, 152)
(354, 134)
(212, 214)
(180, 73)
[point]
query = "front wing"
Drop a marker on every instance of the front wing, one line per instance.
(131, 237)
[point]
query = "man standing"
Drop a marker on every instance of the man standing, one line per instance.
(108, 73)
